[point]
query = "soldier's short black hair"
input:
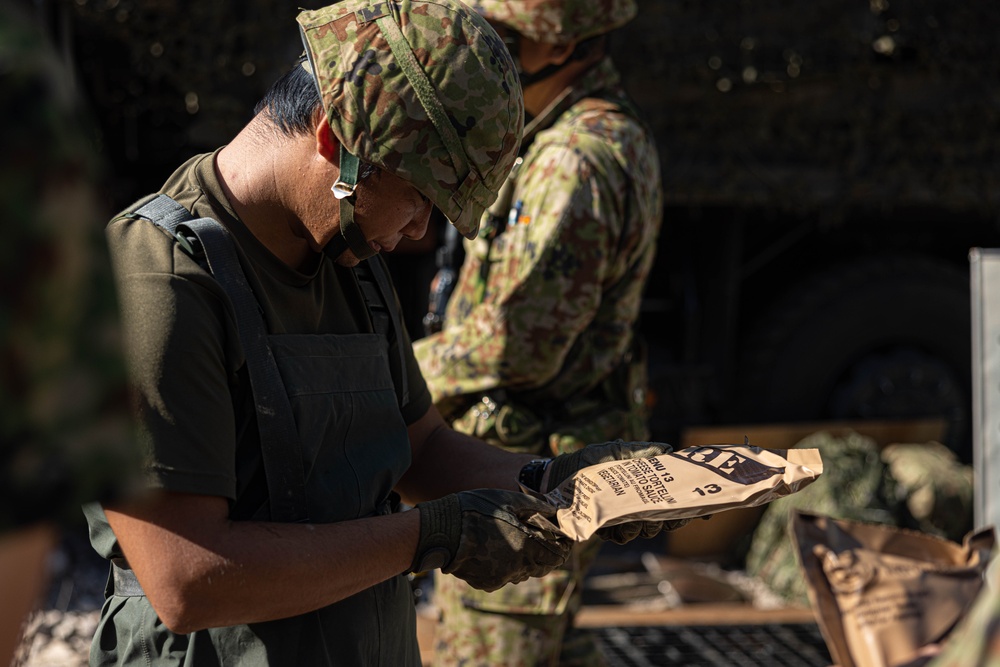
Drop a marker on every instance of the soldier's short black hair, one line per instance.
(291, 101)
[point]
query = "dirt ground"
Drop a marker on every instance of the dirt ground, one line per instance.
(58, 634)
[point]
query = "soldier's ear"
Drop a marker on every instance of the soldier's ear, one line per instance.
(326, 143)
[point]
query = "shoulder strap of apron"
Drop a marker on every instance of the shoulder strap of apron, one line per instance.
(279, 440)
(376, 288)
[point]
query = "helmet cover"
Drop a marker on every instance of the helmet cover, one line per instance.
(424, 89)
(558, 21)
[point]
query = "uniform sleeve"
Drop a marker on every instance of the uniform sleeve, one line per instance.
(544, 284)
(176, 326)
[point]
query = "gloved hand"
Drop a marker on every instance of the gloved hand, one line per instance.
(480, 537)
(565, 465)
(624, 533)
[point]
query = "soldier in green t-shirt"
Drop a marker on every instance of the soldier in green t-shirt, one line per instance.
(281, 408)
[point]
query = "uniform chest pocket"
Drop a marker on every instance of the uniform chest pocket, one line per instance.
(354, 442)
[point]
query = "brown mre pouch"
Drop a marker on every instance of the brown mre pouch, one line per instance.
(880, 593)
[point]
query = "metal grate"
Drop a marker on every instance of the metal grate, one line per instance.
(770, 645)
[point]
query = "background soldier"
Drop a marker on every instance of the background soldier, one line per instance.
(538, 351)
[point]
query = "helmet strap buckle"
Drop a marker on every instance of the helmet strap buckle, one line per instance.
(342, 190)
(348, 181)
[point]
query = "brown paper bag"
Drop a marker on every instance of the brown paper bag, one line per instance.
(881, 593)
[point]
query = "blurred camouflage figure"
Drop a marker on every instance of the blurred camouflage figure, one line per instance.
(64, 431)
(538, 351)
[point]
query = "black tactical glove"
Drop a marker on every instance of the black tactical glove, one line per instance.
(565, 465)
(480, 537)
(624, 533)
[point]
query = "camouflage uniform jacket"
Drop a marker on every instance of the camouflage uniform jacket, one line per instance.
(547, 309)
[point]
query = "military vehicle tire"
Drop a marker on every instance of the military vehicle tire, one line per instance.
(876, 338)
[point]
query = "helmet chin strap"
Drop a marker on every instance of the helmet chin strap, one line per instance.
(513, 42)
(528, 79)
(336, 247)
(351, 235)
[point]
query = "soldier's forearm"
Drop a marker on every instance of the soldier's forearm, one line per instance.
(446, 461)
(201, 570)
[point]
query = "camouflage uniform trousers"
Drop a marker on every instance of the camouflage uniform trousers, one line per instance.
(522, 625)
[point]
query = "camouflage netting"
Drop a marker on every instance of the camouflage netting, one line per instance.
(861, 483)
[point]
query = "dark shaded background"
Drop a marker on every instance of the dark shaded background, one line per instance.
(826, 166)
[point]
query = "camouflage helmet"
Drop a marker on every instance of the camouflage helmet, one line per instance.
(424, 89)
(558, 21)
